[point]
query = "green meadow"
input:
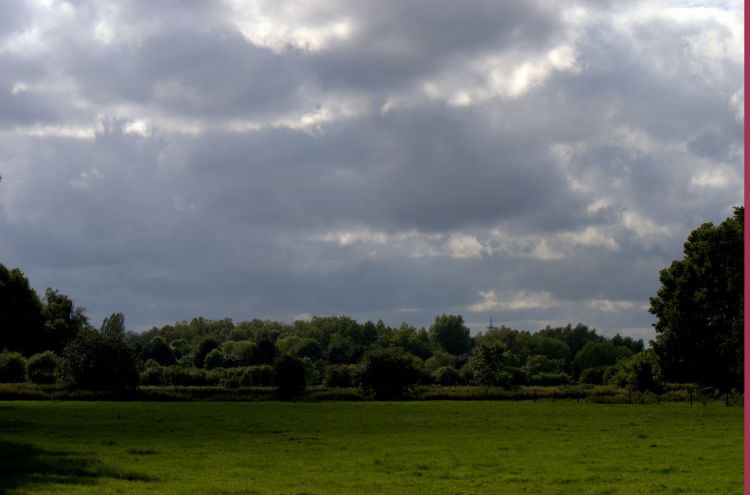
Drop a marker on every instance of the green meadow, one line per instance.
(444, 447)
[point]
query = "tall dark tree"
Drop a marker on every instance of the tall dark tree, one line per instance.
(450, 332)
(62, 320)
(21, 320)
(95, 361)
(699, 307)
(114, 325)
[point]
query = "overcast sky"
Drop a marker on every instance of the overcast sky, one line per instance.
(537, 162)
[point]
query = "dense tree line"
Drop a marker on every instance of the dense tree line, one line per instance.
(699, 340)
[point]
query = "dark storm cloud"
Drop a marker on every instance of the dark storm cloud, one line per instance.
(385, 160)
(396, 43)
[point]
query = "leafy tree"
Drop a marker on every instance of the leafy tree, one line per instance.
(41, 367)
(12, 367)
(21, 319)
(62, 320)
(640, 372)
(179, 348)
(576, 337)
(265, 350)
(341, 349)
(447, 376)
(114, 325)
(492, 365)
(440, 359)
(411, 340)
(95, 361)
(206, 345)
(635, 346)
(306, 347)
(289, 375)
(600, 355)
(214, 359)
(389, 373)
(338, 375)
(594, 376)
(451, 334)
(699, 307)
(160, 351)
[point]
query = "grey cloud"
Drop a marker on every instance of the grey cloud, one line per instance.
(429, 38)
(170, 225)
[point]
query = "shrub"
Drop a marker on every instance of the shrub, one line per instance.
(548, 379)
(289, 375)
(41, 367)
(12, 367)
(257, 376)
(153, 375)
(159, 351)
(214, 359)
(204, 347)
(447, 376)
(440, 359)
(338, 375)
(639, 372)
(94, 361)
(389, 373)
(593, 376)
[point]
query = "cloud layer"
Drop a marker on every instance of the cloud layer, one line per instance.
(390, 160)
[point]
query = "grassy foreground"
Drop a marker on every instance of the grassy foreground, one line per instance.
(550, 447)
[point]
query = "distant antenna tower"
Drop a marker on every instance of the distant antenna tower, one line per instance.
(491, 325)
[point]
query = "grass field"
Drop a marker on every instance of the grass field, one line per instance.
(549, 447)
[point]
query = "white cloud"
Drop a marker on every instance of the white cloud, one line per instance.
(645, 229)
(711, 179)
(85, 180)
(139, 127)
(611, 306)
(591, 236)
(465, 246)
(508, 300)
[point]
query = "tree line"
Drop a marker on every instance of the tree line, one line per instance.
(699, 340)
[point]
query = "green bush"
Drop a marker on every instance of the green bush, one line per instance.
(594, 376)
(94, 361)
(204, 347)
(153, 375)
(389, 373)
(41, 367)
(257, 376)
(289, 375)
(214, 359)
(338, 375)
(12, 367)
(447, 376)
(548, 379)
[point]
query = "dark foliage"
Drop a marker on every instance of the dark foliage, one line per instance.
(41, 367)
(289, 375)
(699, 307)
(93, 361)
(451, 334)
(389, 373)
(205, 346)
(21, 319)
(12, 367)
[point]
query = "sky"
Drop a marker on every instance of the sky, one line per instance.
(536, 162)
